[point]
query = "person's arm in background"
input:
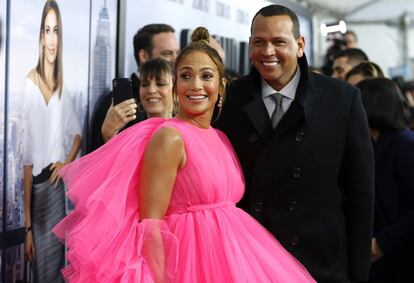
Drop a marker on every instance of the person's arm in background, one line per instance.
(106, 121)
(26, 112)
(71, 131)
(117, 117)
(54, 178)
(356, 179)
(29, 248)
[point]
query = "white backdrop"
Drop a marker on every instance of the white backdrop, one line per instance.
(225, 18)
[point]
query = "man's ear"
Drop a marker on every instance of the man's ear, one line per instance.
(143, 56)
(301, 45)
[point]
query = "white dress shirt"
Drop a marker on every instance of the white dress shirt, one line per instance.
(288, 92)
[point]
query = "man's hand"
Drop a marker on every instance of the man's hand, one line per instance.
(117, 117)
(376, 252)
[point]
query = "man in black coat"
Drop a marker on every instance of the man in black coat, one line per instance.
(309, 177)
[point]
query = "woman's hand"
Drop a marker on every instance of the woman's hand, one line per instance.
(29, 248)
(117, 117)
(54, 179)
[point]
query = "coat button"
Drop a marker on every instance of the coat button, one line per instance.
(253, 137)
(292, 205)
(294, 240)
(296, 172)
(299, 136)
(258, 206)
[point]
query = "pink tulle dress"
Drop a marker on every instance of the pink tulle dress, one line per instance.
(204, 237)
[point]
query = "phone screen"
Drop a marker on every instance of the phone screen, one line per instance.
(121, 90)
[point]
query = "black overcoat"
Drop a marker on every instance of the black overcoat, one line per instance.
(310, 181)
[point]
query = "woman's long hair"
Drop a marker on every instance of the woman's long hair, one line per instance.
(384, 104)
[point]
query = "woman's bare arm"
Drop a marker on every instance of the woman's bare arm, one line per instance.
(163, 157)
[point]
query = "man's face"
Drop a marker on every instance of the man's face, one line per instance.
(274, 50)
(340, 68)
(165, 46)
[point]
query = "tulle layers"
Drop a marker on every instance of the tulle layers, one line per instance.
(203, 238)
(222, 243)
(105, 241)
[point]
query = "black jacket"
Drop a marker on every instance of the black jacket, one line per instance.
(394, 207)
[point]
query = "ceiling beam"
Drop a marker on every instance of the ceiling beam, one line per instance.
(360, 7)
(316, 8)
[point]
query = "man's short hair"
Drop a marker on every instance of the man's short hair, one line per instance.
(354, 55)
(143, 38)
(279, 10)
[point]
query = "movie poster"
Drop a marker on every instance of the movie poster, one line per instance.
(47, 88)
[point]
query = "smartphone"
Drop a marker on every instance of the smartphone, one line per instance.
(122, 90)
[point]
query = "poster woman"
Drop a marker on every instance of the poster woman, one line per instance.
(48, 121)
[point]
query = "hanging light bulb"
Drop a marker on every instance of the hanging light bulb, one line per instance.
(332, 28)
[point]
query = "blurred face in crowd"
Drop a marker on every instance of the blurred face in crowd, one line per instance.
(274, 50)
(340, 68)
(165, 46)
(50, 37)
(156, 95)
(198, 84)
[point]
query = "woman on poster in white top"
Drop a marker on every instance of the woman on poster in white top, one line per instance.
(49, 123)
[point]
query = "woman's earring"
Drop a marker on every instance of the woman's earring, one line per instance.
(176, 106)
(220, 101)
(219, 107)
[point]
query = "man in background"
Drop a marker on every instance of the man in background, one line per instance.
(345, 60)
(151, 41)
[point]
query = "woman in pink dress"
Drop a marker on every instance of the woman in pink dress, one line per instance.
(157, 203)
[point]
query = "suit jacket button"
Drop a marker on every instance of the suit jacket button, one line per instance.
(292, 205)
(299, 136)
(253, 137)
(296, 172)
(258, 206)
(294, 240)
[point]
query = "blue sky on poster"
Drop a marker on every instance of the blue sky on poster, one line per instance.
(24, 41)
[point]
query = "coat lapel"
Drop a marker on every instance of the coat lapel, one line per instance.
(256, 110)
(307, 93)
(306, 99)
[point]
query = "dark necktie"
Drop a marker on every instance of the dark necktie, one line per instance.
(278, 112)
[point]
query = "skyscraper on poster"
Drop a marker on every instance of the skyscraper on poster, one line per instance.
(102, 57)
